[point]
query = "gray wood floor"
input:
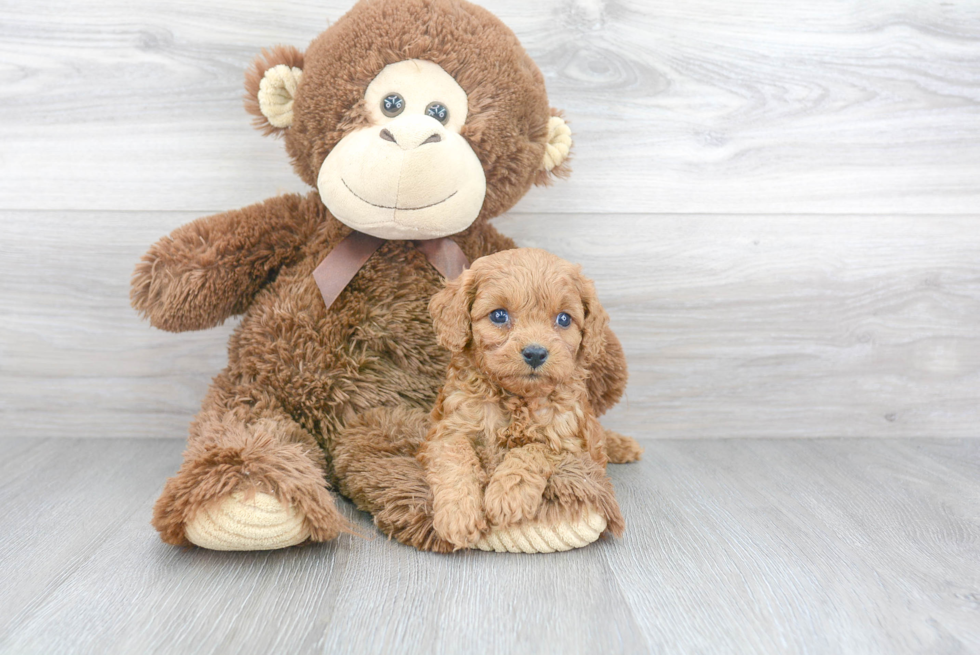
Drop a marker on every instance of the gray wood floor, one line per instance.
(732, 546)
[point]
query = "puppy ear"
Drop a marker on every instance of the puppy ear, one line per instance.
(557, 149)
(270, 86)
(596, 320)
(450, 309)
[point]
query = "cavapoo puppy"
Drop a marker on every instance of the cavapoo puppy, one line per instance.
(512, 424)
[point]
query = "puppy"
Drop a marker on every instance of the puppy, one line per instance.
(512, 426)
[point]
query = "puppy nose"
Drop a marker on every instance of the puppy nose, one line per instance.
(535, 355)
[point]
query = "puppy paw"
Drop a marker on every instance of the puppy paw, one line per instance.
(621, 449)
(461, 525)
(510, 499)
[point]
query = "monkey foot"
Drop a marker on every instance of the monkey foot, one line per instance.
(258, 523)
(537, 538)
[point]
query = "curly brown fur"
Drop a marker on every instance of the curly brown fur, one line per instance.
(295, 362)
(621, 449)
(502, 426)
(608, 376)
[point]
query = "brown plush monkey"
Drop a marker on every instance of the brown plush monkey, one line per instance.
(413, 120)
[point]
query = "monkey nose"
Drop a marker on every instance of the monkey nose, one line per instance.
(410, 132)
(386, 135)
(535, 355)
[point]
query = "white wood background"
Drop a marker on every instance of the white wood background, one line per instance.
(779, 201)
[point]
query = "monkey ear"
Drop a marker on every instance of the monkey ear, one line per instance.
(596, 320)
(450, 309)
(270, 86)
(556, 150)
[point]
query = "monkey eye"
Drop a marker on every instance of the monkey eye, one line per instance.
(563, 320)
(438, 111)
(499, 316)
(392, 104)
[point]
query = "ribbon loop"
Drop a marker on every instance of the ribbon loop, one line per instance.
(342, 263)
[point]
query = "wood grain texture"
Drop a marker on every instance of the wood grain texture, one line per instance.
(732, 546)
(777, 326)
(783, 326)
(75, 359)
(743, 106)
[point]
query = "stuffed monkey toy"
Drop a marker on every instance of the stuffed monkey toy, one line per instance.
(415, 122)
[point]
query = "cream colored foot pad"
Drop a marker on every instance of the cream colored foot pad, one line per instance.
(260, 523)
(532, 538)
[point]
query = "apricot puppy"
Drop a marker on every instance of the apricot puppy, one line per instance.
(512, 425)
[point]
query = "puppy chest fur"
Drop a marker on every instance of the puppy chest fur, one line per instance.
(496, 425)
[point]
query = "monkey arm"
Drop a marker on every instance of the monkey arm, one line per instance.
(211, 268)
(608, 376)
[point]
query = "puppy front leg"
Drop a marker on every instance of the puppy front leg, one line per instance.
(517, 486)
(456, 478)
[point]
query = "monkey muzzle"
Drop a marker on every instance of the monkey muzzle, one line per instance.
(408, 179)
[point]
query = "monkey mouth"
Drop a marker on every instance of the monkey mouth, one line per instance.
(404, 209)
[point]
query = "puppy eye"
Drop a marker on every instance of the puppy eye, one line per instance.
(499, 316)
(563, 320)
(392, 104)
(438, 111)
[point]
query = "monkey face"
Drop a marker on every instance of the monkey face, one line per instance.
(408, 174)
(414, 118)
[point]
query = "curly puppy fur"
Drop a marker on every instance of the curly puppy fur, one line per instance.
(507, 422)
(299, 373)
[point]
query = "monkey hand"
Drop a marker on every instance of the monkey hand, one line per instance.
(211, 269)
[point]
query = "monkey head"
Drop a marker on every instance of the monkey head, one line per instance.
(412, 118)
(409, 171)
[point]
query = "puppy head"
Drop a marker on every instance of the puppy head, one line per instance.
(528, 319)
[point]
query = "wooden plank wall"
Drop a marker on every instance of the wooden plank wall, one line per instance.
(778, 201)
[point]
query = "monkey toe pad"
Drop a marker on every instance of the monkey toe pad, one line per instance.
(263, 523)
(260, 522)
(536, 538)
